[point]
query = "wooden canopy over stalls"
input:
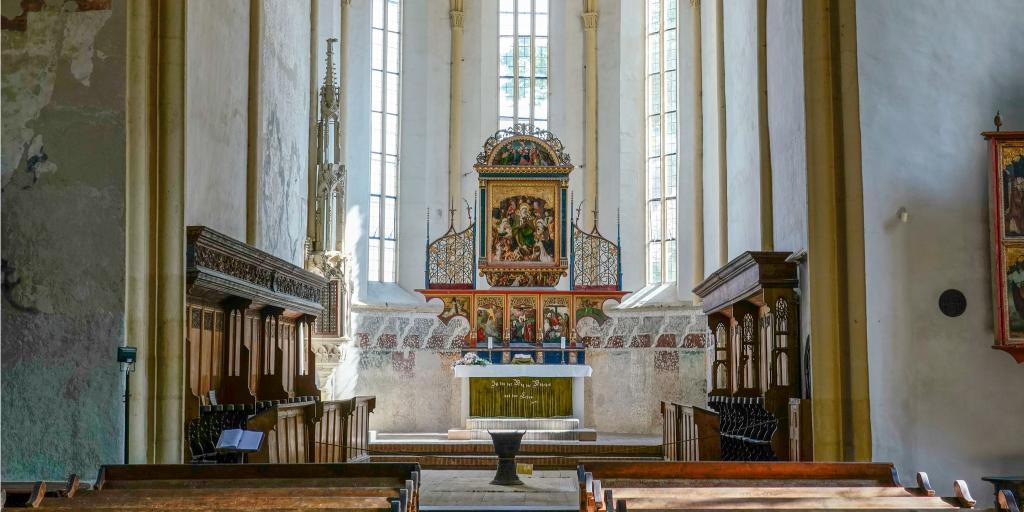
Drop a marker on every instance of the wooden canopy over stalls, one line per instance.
(249, 320)
(752, 309)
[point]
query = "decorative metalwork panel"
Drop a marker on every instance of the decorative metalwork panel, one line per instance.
(595, 263)
(327, 323)
(450, 260)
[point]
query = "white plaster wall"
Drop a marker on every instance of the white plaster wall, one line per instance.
(743, 148)
(357, 143)
(787, 136)
(423, 159)
(284, 128)
(216, 130)
(932, 74)
(63, 240)
(629, 164)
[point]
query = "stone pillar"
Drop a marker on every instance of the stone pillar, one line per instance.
(835, 238)
(312, 145)
(723, 168)
(456, 17)
(764, 139)
(139, 234)
(170, 293)
(697, 251)
(254, 152)
(590, 125)
(343, 44)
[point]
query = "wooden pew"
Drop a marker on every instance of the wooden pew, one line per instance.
(689, 433)
(621, 486)
(30, 494)
(342, 432)
(366, 486)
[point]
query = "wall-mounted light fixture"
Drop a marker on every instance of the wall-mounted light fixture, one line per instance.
(903, 215)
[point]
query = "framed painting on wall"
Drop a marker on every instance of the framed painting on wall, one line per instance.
(1006, 180)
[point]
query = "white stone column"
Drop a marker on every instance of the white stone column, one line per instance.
(456, 17)
(170, 295)
(139, 287)
(764, 139)
(697, 250)
(590, 117)
(723, 168)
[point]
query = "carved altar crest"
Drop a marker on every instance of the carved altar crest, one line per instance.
(523, 174)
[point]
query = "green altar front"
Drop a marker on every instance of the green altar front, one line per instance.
(520, 397)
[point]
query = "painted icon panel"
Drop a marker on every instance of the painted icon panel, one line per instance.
(522, 318)
(555, 318)
(490, 318)
(523, 224)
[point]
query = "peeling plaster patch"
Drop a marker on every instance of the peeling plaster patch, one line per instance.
(78, 42)
(31, 58)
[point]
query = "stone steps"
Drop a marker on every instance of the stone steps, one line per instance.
(586, 434)
(522, 424)
(491, 461)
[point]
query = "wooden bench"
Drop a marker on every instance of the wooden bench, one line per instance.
(30, 494)
(390, 487)
(622, 486)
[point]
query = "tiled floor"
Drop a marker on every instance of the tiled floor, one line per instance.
(471, 490)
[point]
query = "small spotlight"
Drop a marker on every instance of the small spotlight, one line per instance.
(126, 354)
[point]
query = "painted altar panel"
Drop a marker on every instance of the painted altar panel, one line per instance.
(590, 307)
(524, 178)
(555, 318)
(490, 319)
(523, 223)
(1007, 227)
(523, 314)
(456, 306)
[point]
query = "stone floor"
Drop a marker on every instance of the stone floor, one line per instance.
(464, 490)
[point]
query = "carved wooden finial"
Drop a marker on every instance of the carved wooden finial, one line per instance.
(998, 121)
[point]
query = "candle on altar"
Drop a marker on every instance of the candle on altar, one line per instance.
(490, 343)
(563, 342)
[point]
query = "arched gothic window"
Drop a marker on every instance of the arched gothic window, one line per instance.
(385, 76)
(662, 128)
(523, 63)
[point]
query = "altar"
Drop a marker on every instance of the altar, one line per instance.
(523, 390)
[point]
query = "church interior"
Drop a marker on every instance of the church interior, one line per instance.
(547, 255)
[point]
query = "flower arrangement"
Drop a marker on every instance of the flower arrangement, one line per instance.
(470, 359)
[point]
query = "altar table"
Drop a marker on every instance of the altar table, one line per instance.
(526, 389)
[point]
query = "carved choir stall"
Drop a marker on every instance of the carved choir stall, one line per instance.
(1007, 225)
(523, 241)
(249, 361)
(752, 308)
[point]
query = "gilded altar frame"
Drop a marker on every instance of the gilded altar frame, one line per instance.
(524, 177)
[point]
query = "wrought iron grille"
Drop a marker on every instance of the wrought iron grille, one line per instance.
(450, 259)
(595, 261)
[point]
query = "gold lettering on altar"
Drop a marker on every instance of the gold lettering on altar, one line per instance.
(517, 397)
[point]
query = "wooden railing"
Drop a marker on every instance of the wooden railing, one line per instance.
(303, 430)
(287, 429)
(689, 433)
(343, 432)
